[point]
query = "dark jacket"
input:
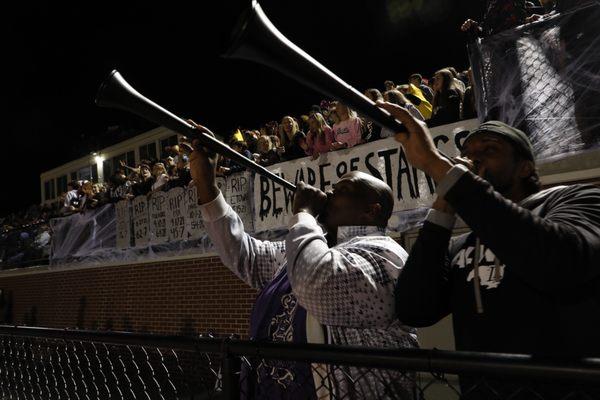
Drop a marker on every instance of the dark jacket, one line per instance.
(447, 108)
(541, 297)
(547, 300)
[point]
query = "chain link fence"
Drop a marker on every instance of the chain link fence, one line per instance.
(39, 363)
(544, 78)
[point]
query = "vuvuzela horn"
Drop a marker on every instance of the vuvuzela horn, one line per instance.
(257, 39)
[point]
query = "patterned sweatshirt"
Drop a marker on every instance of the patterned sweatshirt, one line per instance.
(312, 293)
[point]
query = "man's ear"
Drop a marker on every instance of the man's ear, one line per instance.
(373, 211)
(526, 169)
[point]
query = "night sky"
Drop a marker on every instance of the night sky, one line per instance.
(55, 57)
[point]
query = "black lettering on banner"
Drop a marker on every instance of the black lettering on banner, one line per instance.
(386, 154)
(430, 184)
(374, 171)
(322, 180)
(404, 169)
(312, 176)
(276, 210)
(288, 195)
(341, 169)
(416, 182)
(238, 183)
(353, 162)
(265, 201)
(299, 176)
(234, 183)
(190, 196)
(441, 138)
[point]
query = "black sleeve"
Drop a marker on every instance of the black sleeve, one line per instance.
(447, 114)
(413, 99)
(560, 250)
(423, 289)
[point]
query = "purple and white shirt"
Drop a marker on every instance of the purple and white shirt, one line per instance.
(312, 293)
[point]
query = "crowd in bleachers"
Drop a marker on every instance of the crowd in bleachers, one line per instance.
(447, 97)
(328, 126)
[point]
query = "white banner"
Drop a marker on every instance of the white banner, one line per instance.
(238, 194)
(176, 214)
(384, 159)
(265, 206)
(123, 224)
(157, 207)
(141, 223)
(194, 228)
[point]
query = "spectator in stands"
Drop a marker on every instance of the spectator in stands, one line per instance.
(377, 132)
(277, 144)
(348, 131)
(459, 84)
(389, 85)
(396, 97)
(290, 135)
(181, 177)
(320, 136)
(159, 172)
(119, 187)
(222, 170)
(241, 147)
(468, 109)
(331, 117)
(100, 194)
(88, 201)
(417, 80)
(311, 284)
(250, 137)
(271, 128)
(73, 198)
(172, 158)
(415, 96)
(145, 183)
(527, 278)
(267, 153)
(446, 100)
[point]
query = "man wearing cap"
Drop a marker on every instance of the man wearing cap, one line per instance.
(526, 278)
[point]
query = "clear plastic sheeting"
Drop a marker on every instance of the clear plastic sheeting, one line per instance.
(544, 78)
(127, 232)
(162, 224)
(25, 246)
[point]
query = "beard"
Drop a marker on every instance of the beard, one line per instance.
(500, 186)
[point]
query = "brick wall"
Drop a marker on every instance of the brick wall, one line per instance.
(172, 297)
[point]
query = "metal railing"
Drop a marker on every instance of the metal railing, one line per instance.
(42, 363)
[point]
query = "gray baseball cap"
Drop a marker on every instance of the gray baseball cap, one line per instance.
(512, 134)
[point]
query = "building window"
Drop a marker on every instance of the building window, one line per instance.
(94, 168)
(49, 190)
(170, 141)
(128, 158)
(107, 169)
(61, 185)
(148, 151)
(85, 174)
(74, 175)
